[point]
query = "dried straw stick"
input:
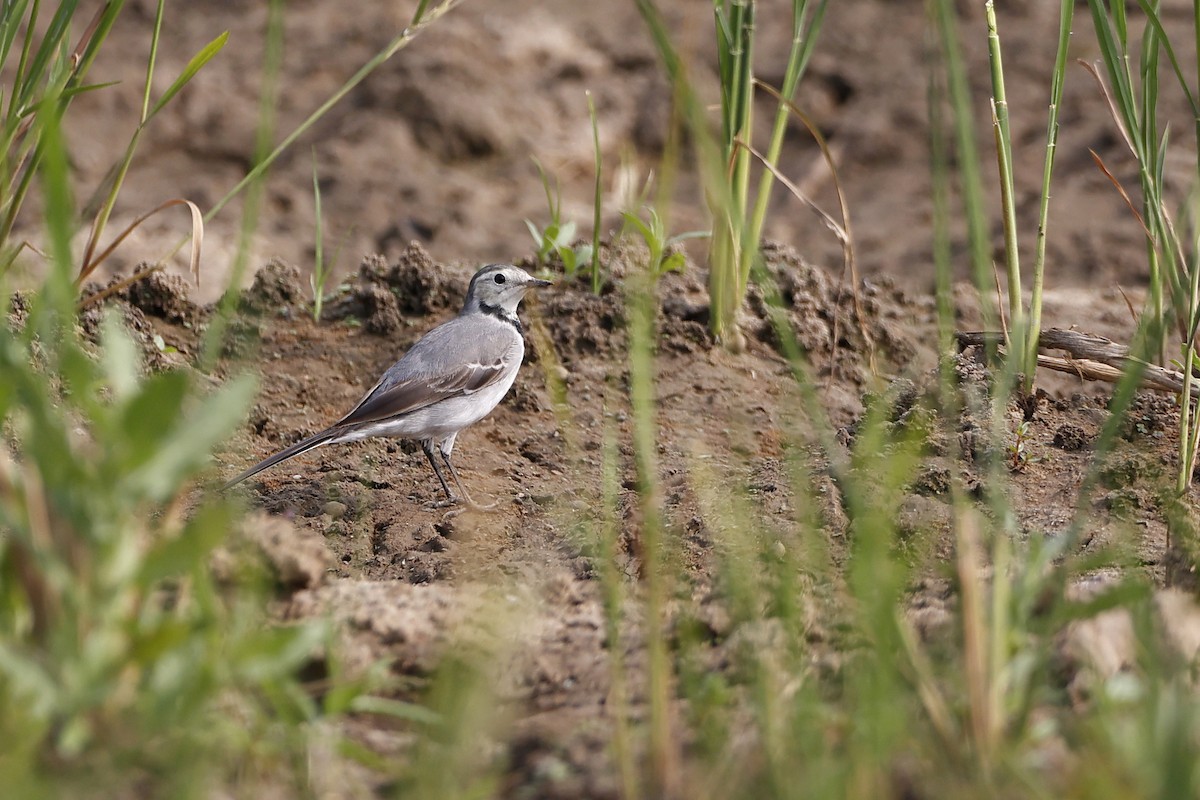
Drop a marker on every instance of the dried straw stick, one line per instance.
(1088, 356)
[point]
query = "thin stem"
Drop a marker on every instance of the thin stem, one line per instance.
(1005, 163)
(1066, 15)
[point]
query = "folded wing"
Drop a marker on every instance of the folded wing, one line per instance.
(443, 364)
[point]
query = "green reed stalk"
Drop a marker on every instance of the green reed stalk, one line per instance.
(737, 226)
(804, 38)
(734, 22)
(1012, 262)
(597, 196)
(1190, 411)
(1066, 16)
(1174, 275)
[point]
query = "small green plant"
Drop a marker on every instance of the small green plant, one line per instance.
(319, 274)
(664, 256)
(322, 269)
(114, 630)
(1018, 454)
(737, 221)
(1173, 259)
(558, 237)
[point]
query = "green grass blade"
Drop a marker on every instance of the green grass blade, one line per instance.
(1154, 22)
(597, 197)
(206, 54)
(1016, 304)
(152, 60)
(1066, 17)
(52, 42)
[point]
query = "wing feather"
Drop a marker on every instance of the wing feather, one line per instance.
(441, 365)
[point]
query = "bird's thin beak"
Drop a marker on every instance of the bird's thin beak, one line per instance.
(538, 282)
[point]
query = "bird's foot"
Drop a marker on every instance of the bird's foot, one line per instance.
(449, 502)
(460, 504)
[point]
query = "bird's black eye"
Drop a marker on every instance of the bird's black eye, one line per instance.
(499, 277)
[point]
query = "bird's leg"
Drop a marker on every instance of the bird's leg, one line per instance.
(445, 449)
(427, 447)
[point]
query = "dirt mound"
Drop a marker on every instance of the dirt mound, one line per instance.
(163, 295)
(276, 288)
(384, 294)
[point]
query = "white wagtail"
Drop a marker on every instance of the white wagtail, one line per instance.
(451, 378)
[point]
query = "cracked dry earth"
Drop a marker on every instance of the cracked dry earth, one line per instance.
(351, 536)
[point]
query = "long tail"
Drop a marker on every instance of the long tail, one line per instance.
(302, 446)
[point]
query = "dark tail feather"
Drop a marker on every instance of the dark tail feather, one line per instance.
(302, 446)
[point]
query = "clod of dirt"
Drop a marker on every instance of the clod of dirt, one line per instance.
(381, 312)
(162, 295)
(136, 325)
(414, 285)
(276, 287)
(1071, 437)
(933, 480)
(413, 624)
(1094, 650)
(1150, 415)
(583, 324)
(919, 514)
(298, 556)
(420, 284)
(18, 310)
(817, 305)
(683, 325)
(1180, 618)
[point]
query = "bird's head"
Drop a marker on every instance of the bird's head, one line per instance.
(499, 287)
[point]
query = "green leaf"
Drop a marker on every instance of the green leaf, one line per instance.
(568, 258)
(683, 237)
(564, 234)
(638, 224)
(272, 653)
(73, 91)
(535, 233)
(672, 263)
(197, 63)
(370, 704)
(179, 555)
(119, 357)
(195, 433)
(29, 680)
(146, 420)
